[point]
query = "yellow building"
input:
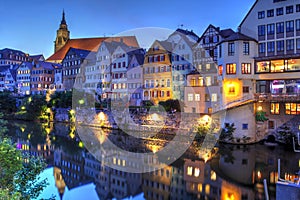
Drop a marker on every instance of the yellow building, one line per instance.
(157, 73)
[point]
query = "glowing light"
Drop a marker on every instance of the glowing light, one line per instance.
(80, 144)
(197, 172)
(101, 116)
(72, 112)
(23, 108)
(29, 136)
(258, 174)
(72, 135)
(230, 196)
(81, 101)
(189, 171)
(22, 129)
(259, 108)
(155, 117)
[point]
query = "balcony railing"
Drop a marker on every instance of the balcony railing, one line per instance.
(266, 97)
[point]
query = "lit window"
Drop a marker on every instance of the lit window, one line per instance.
(213, 176)
(197, 172)
(207, 189)
(214, 97)
(190, 171)
(275, 108)
(199, 187)
(220, 70)
(231, 68)
(190, 97)
(246, 68)
(208, 81)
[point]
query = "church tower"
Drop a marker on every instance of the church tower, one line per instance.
(62, 34)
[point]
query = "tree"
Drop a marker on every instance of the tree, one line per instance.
(18, 172)
(7, 102)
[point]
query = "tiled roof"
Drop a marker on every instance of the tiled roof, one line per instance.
(238, 36)
(226, 32)
(90, 44)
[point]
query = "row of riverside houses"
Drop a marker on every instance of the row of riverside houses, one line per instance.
(255, 69)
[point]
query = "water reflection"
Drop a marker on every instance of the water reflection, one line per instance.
(228, 172)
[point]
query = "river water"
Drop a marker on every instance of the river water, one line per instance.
(76, 171)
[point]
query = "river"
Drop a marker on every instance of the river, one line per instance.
(84, 168)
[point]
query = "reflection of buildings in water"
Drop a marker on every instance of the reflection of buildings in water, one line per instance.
(231, 191)
(111, 182)
(201, 180)
(157, 184)
(59, 181)
(178, 188)
(72, 167)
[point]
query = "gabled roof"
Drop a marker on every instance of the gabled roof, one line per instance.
(90, 44)
(248, 13)
(238, 36)
(39, 57)
(8, 50)
(166, 45)
(27, 64)
(187, 33)
(224, 33)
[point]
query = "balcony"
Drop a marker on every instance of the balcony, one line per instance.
(268, 97)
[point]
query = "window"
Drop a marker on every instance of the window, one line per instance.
(289, 9)
(274, 109)
(245, 126)
(270, 13)
(289, 26)
(292, 108)
(298, 44)
(208, 81)
(220, 72)
(231, 68)
(290, 45)
(214, 97)
(270, 29)
(262, 47)
(231, 49)
(280, 45)
(271, 46)
(261, 30)
(261, 14)
(197, 97)
(246, 68)
(297, 24)
(207, 97)
(246, 49)
(279, 11)
(245, 89)
(271, 124)
(298, 8)
(190, 97)
(220, 50)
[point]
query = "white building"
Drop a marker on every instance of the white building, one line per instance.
(23, 78)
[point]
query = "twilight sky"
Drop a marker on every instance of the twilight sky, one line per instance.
(30, 26)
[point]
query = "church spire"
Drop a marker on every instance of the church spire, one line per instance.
(63, 20)
(62, 34)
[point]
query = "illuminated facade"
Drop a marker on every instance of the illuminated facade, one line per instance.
(157, 72)
(275, 25)
(42, 76)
